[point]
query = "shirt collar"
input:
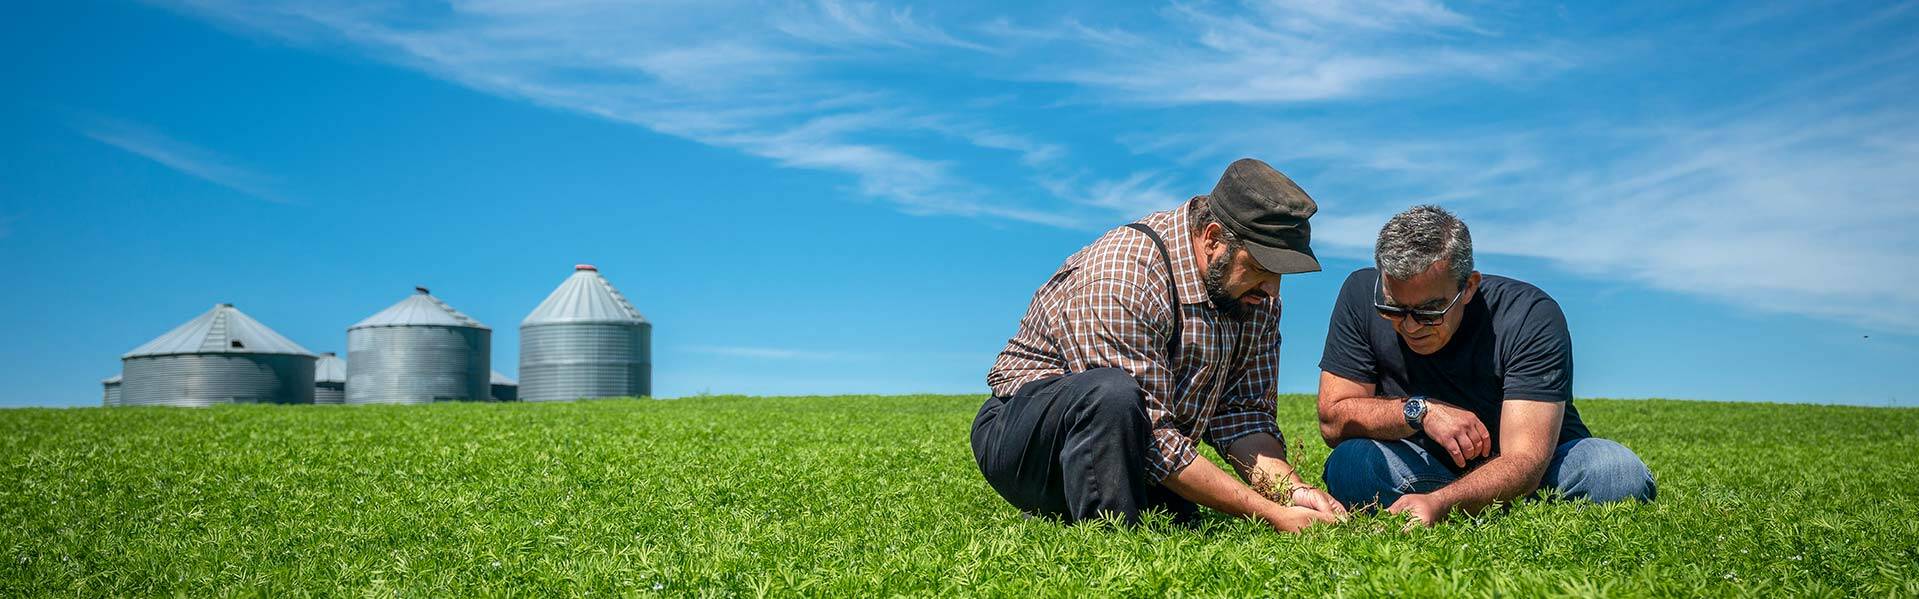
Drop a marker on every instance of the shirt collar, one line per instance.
(1176, 227)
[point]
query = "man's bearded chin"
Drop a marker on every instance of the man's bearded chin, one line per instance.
(1216, 293)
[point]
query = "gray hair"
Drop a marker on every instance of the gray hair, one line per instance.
(1413, 240)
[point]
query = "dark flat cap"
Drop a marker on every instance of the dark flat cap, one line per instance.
(1269, 212)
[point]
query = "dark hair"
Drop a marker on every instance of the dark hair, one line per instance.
(1203, 215)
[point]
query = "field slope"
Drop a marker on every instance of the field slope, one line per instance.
(877, 496)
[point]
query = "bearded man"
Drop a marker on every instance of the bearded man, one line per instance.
(1159, 334)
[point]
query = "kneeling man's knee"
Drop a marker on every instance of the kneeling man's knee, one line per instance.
(1357, 473)
(1110, 395)
(1605, 471)
(1356, 454)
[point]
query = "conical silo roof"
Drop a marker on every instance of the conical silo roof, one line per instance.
(222, 330)
(112, 380)
(501, 379)
(585, 297)
(419, 309)
(330, 369)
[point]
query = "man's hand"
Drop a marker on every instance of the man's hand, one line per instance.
(1318, 501)
(1458, 430)
(1204, 483)
(1424, 510)
(1260, 459)
(1295, 519)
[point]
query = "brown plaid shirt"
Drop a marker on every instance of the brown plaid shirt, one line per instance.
(1106, 307)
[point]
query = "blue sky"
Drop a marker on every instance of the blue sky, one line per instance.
(843, 197)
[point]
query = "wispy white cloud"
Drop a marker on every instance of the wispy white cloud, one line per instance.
(836, 23)
(1307, 16)
(729, 75)
(1134, 195)
(1791, 212)
(1804, 210)
(771, 82)
(1709, 201)
(1796, 200)
(1278, 51)
(179, 156)
(767, 353)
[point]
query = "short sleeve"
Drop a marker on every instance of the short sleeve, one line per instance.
(1538, 366)
(1349, 349)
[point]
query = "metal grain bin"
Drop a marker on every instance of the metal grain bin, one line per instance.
(504, 389)
(585, 341)
(223, 356)
(418, 351)
(329, 379)
(111, 396)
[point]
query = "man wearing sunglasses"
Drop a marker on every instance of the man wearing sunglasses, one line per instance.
(1444, 389)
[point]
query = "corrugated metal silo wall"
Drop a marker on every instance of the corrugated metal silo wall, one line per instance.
(197, 380)
(329, 393)
(112, 397)
(560, 362)
(418, 364)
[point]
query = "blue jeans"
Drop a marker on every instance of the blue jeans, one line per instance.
(1361, 471)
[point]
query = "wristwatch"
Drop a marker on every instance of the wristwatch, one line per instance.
(1416, 412)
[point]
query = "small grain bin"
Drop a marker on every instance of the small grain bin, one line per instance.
(504, 389)
(418, 351)
(585, 341)
(329, 379)
(223, 356)
(111, 395)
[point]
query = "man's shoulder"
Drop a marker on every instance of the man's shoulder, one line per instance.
(1507, 294)
(1522, 310)
(1123, 252)
(1363, 277)
(1509, 285)
(1534, 341)
(1358, 287)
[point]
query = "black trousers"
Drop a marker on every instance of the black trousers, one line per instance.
(1073, 447)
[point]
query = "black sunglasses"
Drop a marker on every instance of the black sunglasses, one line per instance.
(1425, 317)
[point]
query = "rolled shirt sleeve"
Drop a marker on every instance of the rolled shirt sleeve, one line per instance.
(1112, 323)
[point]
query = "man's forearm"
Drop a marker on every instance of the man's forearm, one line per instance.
(1502, 478)
(1204, 483)
(1260, 459)
(1364, 418)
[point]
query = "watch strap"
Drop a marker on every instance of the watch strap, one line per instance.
(1416, 421)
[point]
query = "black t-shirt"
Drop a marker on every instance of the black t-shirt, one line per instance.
(1512, 344)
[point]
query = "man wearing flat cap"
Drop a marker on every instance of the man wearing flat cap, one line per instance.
(1159, 334)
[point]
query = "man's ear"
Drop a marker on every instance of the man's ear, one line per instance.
(1472, 287)
(1211, 235)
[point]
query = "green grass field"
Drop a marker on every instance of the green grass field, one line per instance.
(878, 496)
